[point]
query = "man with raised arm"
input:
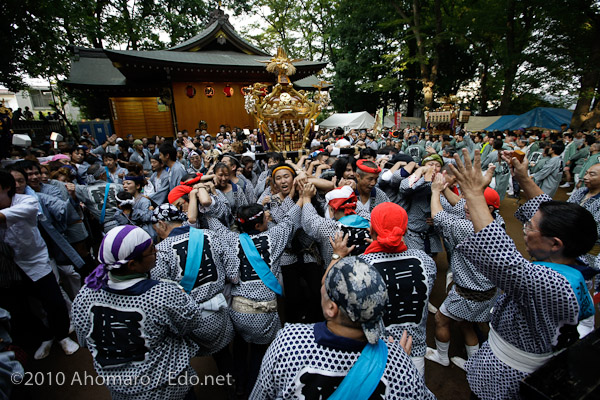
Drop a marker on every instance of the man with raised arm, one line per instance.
(543, 300)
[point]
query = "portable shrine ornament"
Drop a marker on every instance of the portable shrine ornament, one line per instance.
(228, 90)
(209, 91)
(285, 116)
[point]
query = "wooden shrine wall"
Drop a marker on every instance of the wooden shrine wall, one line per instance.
(216, 110)
(141, 116)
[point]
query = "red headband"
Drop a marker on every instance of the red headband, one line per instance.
(177, 192)
(370, 170)
(348, 205)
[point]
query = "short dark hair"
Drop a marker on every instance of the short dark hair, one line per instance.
(450, 150)
(28, 164)
(8, 181)
(247, 160)
(221, 165)
(109, 155)
(367, 153)
(275, 156)
(341, 164)
(94, 168)
(589, 140)
(15, 167)
(572, 224)
(558, 147)
(233, 159)
(168, 150)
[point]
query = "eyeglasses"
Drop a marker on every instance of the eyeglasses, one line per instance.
(152, 252)
(527, 227)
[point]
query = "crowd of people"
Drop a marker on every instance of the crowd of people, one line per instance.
(304, 274)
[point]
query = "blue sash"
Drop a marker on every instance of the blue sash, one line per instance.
(193, 262)
(259, 265)
(577, 282)
(364, 376)
(108, 178)
(106, 190)
(354, 221)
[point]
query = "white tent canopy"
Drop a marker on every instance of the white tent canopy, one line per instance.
(388, 121)
(480, 123)
(347, 121)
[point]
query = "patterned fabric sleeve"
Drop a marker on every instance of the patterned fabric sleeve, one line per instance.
(240, 200)
(281, 233)
(279, 211)
(162, 269)
(453, 228)
(528, 210)
(264, 193)
(458, 209)
(261, 185)
(315, 226)
(218, 208)
(494, 253)
(182, 315)
(577, 195)
(318, 228)
(419, 186)
(397, 178)
(380, 197)
(250, 192)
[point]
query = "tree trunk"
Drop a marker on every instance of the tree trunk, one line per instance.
(411, 82)
(428, 70)
(586, 116)
(509, 76)
(484, 90)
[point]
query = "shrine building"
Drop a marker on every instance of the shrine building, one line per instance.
(160, 92)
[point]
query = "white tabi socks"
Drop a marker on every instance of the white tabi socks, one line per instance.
(439, 354)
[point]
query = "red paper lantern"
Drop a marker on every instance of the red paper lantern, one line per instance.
(209, 91)
(228, 90)
(190, 91)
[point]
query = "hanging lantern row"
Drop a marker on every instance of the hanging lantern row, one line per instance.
(209, 91)
(190, 91)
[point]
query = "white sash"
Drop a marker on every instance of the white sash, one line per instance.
(514, 357)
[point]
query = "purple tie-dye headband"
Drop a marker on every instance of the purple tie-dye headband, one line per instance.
(120, 245)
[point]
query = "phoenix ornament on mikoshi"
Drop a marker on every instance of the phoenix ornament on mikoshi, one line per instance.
(285, 116)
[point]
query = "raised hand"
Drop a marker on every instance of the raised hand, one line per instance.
(339, 244)
(439, 183)
(188, 143)
(469, 175)
(517, 169)
(309, 190)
